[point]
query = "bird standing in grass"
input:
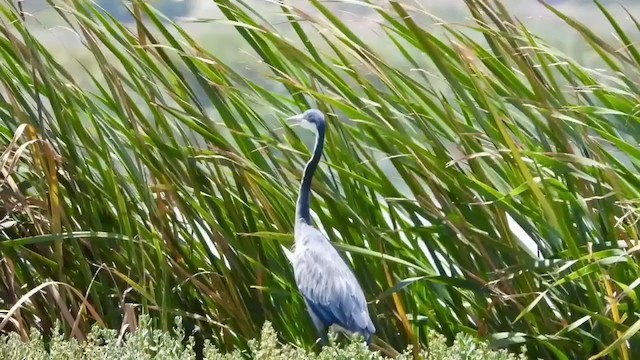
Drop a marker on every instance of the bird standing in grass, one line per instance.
(330, 290)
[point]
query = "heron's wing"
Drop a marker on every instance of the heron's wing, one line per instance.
(331, 290)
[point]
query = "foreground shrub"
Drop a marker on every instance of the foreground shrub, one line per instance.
(148, 343)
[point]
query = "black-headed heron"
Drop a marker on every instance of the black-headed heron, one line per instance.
(330, 290)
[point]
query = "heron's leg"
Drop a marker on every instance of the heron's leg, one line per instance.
(324, 339)
(321, 329)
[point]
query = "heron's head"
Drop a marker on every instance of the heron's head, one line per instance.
(310, 119)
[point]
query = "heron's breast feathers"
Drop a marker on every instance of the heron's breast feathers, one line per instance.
(330, 288)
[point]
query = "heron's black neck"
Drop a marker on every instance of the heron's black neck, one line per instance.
(302, 205)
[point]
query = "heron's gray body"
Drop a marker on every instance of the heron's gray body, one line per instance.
(330, 289)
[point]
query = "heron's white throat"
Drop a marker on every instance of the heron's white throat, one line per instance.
(307, 125)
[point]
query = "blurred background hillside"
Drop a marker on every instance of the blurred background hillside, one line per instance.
(204, 21)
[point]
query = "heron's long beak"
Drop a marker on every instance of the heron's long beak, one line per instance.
(294, 119)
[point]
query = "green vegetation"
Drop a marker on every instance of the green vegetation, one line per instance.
(491, 191)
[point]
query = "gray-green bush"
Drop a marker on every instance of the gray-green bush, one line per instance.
(147, 343)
